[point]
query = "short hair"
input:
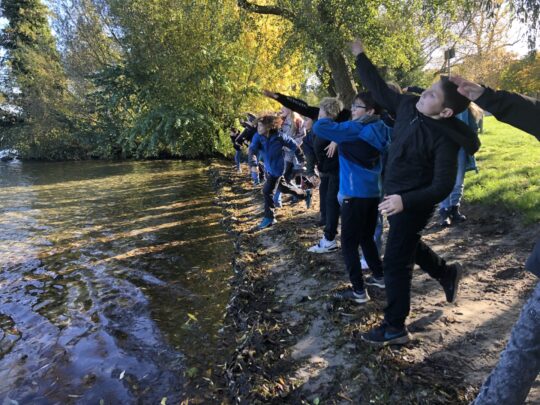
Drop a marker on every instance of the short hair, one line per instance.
(331, 106)
(452, 98)
(270, 120)
(367, 98)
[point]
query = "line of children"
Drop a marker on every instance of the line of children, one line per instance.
(420, 171)
(328, 168)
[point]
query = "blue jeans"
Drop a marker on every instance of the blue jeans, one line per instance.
(238, 159)
(454, 199)
(519, 364)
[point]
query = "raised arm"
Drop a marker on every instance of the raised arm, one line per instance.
(369, 76)
(514, 109)
(294, 104)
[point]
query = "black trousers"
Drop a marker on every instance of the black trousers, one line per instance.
(272, 184)
(358, 222)
(404, 248)
(329, 204)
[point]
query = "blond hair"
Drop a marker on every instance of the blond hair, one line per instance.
(331, 106)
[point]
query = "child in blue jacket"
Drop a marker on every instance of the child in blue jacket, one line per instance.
(361, 142)
(271, 143)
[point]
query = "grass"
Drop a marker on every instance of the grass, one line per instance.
(509, 171)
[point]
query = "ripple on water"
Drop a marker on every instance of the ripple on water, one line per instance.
(104, 268)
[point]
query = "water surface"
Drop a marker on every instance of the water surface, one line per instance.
(113, 282)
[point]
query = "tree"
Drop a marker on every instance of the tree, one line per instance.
(393, 30)
(35, 84)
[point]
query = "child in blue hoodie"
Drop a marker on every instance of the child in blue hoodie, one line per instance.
(361, 142)
(271, 143)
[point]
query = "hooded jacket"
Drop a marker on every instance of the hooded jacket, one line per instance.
(272, 150)
(422, 159)
(361, 143)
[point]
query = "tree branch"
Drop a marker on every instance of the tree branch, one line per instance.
(273, 10)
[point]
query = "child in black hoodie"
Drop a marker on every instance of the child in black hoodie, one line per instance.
(420, 172)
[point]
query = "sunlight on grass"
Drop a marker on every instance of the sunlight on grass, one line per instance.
(509, 171)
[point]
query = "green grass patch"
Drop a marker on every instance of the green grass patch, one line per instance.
(509, 171)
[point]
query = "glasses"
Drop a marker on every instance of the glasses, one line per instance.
(357, 106)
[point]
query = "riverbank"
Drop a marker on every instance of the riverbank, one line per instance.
(295, 345)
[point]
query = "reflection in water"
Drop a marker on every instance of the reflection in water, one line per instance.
(114, 280)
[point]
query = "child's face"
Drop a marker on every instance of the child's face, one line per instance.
(431, 101)
(359, 109)
(262, 129)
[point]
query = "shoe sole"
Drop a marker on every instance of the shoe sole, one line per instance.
(323, 251)
(381, 286)
(459, 274)
(396, 341)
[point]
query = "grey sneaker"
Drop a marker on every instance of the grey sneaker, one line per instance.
(360, 297)
(375, 281)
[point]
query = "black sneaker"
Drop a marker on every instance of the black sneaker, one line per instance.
(450, 283)
(375, 281)
(385, 334)
(456, 216)
(360, 297)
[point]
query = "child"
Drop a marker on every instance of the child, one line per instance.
(271, 143)
(250, 128)
(361, 142)
(328, 167)
(420, 172)
(234, 133)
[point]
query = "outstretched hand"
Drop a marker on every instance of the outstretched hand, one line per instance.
(467, 88)
(357, 47)
(269, 94)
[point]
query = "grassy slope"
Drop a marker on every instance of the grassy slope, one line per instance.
(509, 171)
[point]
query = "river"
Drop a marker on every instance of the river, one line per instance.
(114, 281)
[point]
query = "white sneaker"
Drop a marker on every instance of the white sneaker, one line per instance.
(364, 264)
(324, 246)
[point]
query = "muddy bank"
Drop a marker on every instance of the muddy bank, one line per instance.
(294, 344)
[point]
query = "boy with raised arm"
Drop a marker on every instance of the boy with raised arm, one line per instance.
(420, 172)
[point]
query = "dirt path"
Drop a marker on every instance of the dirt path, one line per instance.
(296, 345)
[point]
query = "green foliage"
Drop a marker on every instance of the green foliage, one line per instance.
(36, 85)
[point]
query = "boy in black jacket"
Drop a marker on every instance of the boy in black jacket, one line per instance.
(420, 172)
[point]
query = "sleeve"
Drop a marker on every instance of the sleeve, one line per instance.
(299, 106)
(288, 142)
(415, 89)
(444, 178)
(514, 109)
(338, 132)
(255, 144)
(370, 77)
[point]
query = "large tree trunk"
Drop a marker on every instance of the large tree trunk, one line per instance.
(342, 77)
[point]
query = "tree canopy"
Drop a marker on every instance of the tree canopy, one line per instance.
(142, 79)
